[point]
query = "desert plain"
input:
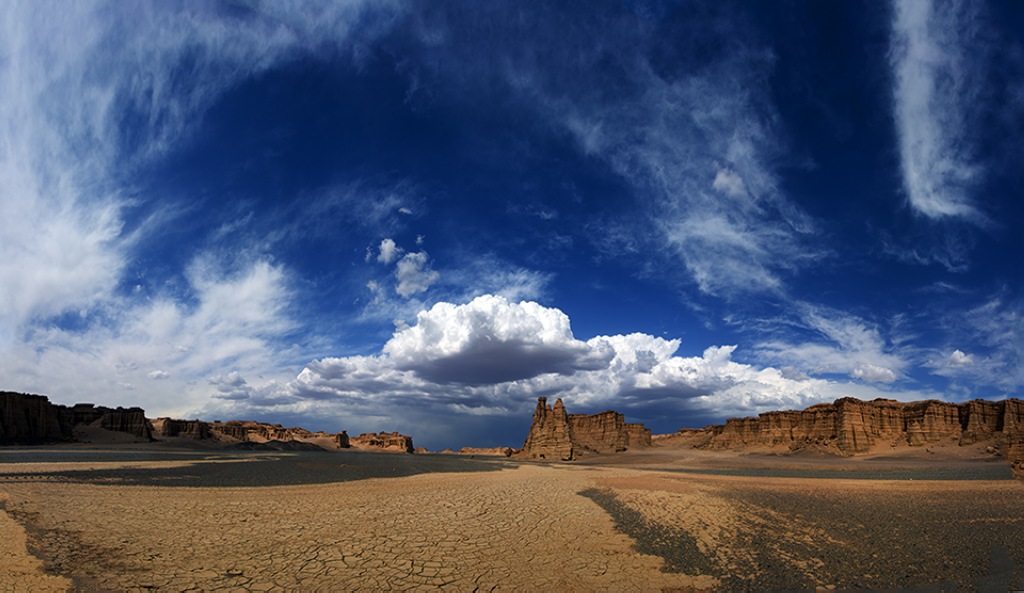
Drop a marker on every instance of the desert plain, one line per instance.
(668, 518)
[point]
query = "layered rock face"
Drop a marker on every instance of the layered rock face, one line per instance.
(637, 435)
(560, 436)
(387, 441)
(243, 431)
(27, 419)
(853, 426)
(130, 420)
(487, 451)
(192, 429)
(247, 431)
(550, 435)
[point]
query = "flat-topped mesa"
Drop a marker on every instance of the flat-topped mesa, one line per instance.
(244, 431)
(128, 420)
(192, 429)
(29, 419)
(851, 426)
(555, 435)
(388, 441)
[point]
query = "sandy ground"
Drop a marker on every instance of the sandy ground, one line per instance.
(585, 527)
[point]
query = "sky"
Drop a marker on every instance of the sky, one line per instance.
(421, 216)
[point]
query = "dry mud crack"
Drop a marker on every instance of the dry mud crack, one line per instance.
(515, 529)
(525, 527)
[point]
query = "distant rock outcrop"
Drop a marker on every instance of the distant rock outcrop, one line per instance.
(386, 441)
(246, 431)
(486, 451)
(192, 429)
(27, 419)
(850, 426)
(559, 436)
(32, 419)
(128, 420)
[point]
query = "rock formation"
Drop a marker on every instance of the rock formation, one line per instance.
(192, 429)
(129, 420)
(849, 426)
(246, 431)
(550, 436)
(387, 441)
(30, 419)
(486, 451)
(555, 435)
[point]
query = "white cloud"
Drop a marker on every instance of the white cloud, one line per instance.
(661, 128)
(958, 359)
(934, 97)
(490, 340)
(491, 357)
(90, 98)
(995, 331)
(839, 343)
(389, 251)
(741, 235)
(233, 321)
(874, 374)
(729, 183)
(414, 274)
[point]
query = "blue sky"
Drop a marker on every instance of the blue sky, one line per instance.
(421, 216)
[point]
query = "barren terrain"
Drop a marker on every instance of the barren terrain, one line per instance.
(665, 519)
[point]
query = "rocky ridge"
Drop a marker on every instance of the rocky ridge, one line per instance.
(556, 435)
(247, 431)
(31, 419)
(849, 426)
(387, 441)
(27, 419)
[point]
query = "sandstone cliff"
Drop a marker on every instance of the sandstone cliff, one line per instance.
(485, 451)
(387, 441)
(29, 419)
(244, 431)
(849, 426)
(550, 435)
(560, 436)
(128, 420)
(192, 429)
(247, 431)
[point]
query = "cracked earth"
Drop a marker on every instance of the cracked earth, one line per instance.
(516, 529)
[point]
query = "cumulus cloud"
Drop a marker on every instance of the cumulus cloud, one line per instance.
(414, 274)
(159, 375)
(477, 368)
(493, 357)
(874, 374)
(933, 99)
(490, 340)
(958, 359)
(389, 251)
